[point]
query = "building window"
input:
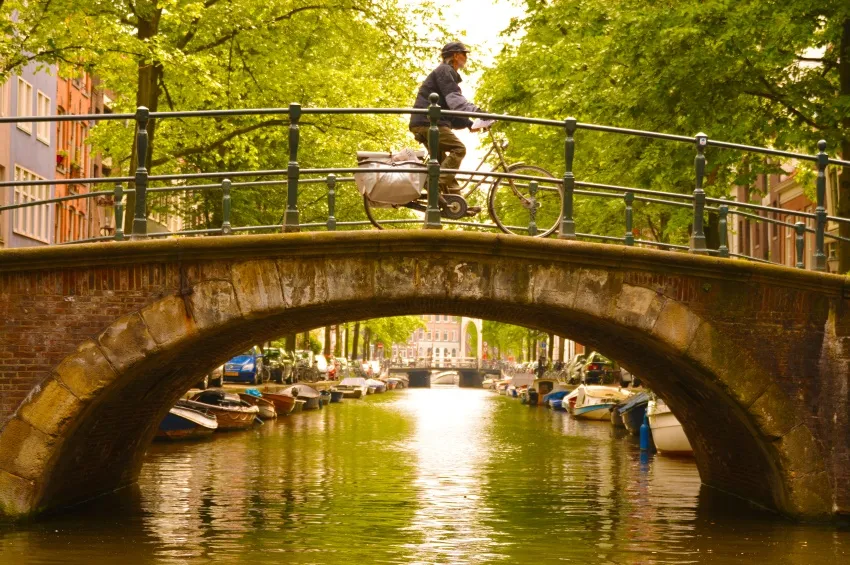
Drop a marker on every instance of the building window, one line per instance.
(428, 336)
(33, 221)
(4, 98)
(24, 104)
(445, 335)
(454, 335)
(42, 129)
(454, 352)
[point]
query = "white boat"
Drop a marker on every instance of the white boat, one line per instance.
(353, 387)
(545, 386)
(594, 402)
(667, 432)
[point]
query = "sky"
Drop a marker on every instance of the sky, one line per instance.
(478, 24)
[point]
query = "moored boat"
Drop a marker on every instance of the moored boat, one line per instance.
(633, 411)
(336, 395)
(231, 412)
(555, 399)
(667, 432)
(283, 403)
(267, 407)
(299, 405)
(353, 387)
(379, 386)
(303, 392)
(184, 422)
(546, 386)
(594, 402)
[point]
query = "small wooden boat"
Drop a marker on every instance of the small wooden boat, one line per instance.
(594, 402)
(353, 387)
(324, 397)
(267, 407)
(667, 432)
(283, 403)
(336, 395)
(183, 422)
(301, 391)
(299, 405)
(231, 412)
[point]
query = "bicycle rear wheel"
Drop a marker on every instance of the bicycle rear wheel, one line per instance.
(399, 218)
(509, 202)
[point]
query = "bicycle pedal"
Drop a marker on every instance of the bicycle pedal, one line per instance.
(473, 210)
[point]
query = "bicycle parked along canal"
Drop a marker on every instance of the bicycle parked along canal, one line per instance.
(508, 200)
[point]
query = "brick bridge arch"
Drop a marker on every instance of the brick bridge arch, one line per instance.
(99, 340)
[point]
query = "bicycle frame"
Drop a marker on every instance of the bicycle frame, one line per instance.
(495, 147)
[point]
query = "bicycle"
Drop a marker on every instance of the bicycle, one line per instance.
(509, 202)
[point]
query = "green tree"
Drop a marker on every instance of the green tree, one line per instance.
(392, 330)
(747, 71)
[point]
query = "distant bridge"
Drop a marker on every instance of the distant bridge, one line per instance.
(471, 370)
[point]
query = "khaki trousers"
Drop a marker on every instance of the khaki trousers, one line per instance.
(451, 152)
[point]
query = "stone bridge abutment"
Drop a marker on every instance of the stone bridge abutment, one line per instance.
(98, 341)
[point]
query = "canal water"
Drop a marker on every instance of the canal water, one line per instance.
(444, 475)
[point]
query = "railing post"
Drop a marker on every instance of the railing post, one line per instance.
(532, 208)
(800, 228)
(723, 212)
(568, 226)
(331, 202)
(698, 236)
(629, 238)
(820, 211)
(140, 221)
(225, 207)
(290, 217)
(432, 213)
(118, 208)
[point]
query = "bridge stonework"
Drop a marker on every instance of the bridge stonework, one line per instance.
(98, 341)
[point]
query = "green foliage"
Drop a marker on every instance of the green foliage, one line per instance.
(214, 54)
(396, 329)
(746, 71)
(507, 340)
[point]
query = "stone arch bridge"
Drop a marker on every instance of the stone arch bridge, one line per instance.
(97, 342)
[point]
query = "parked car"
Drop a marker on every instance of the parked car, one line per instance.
(213, 378)
(248, 367)
(598, 369)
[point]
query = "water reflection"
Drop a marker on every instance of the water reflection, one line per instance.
(420, 476)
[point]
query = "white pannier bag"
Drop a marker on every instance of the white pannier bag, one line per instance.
(390, 188)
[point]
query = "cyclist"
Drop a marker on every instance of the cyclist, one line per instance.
(444, 80)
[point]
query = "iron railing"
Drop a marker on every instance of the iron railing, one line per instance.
(569, 186)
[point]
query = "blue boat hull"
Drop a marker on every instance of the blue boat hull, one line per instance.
(593, 412)
(633, 418)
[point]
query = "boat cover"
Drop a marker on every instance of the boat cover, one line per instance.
(633, 402)
(303, 391)
(353, 381)
(557, 395)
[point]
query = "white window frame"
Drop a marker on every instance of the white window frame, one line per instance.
(34, 221)
(26, 108)
(42, 129)
(4, 97)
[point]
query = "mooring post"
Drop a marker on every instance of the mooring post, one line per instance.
(432, 213)
(118, 209)
(568, 226)
(140, 222)
(820, 211)
(225, 207)
(290, 217)
(723, 213)
(629, 238)
(698, 236)
(331, 202)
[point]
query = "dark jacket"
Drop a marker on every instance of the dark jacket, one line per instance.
(444, 81)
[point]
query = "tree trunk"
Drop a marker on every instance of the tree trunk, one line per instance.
(844, 176)
(355, 343)
(550, 351)
(347, 330)
(305, 339)
(337, 342)
(367, 351)
(147, 95)
(290, 342)
(327, 349)
(561, 347)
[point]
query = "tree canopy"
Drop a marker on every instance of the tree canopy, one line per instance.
(758, 72)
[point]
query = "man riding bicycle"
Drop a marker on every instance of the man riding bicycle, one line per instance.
(444, 80)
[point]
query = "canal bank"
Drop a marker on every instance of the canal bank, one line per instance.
(441, 475)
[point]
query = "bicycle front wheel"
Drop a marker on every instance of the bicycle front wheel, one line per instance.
(399, 218)
(509, 202)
